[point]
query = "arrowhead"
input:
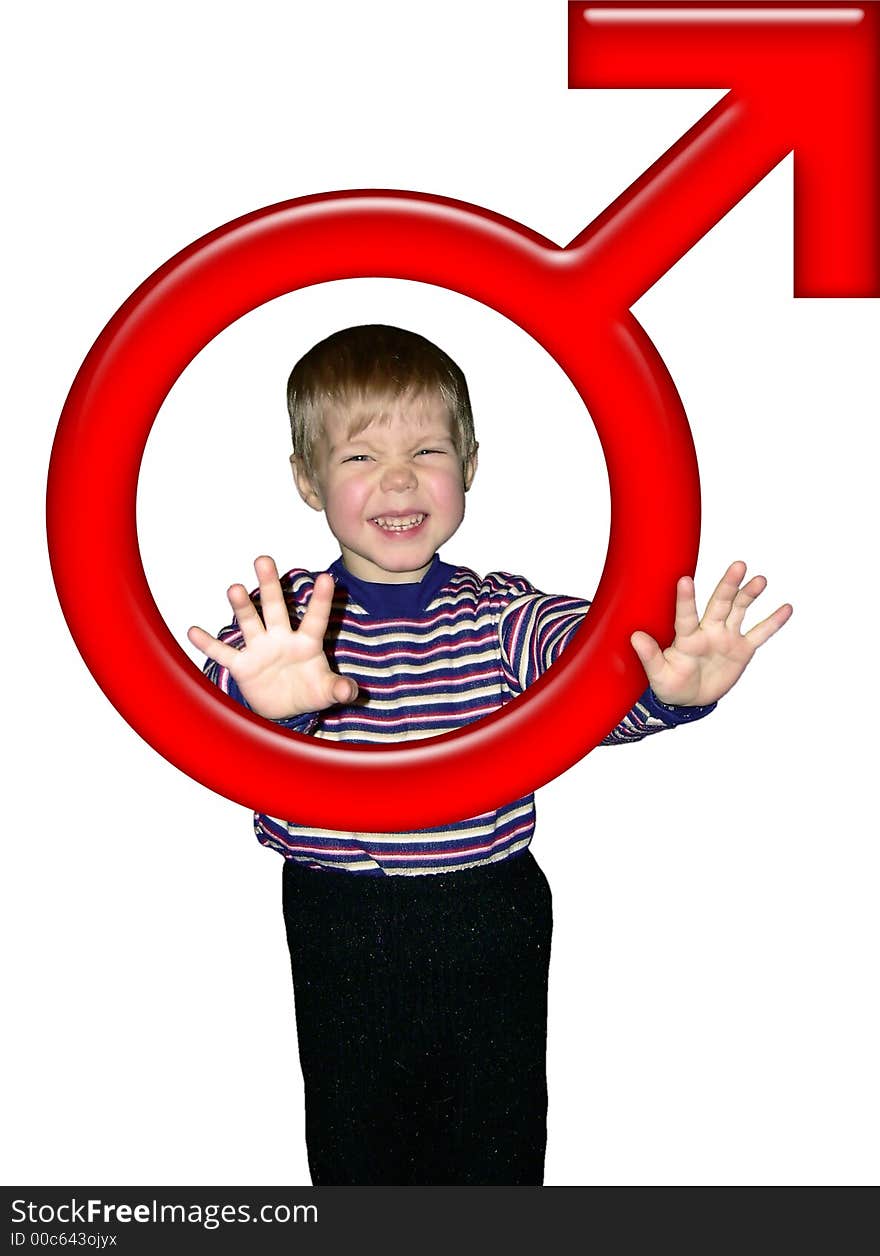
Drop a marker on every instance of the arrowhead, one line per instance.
(806, 76)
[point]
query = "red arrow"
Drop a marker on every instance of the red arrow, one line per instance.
(803, 78)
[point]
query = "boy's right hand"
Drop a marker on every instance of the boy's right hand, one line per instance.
(281, 671)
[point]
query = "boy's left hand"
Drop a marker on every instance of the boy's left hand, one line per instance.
(708, 655)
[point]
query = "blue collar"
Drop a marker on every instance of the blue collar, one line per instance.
(393, 601)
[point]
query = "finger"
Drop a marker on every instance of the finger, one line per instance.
(245, 612)
(317, 614)
(767, 627)
(272, 603)
(219, 651)
(686, 618)
(721, 601)
(743, 601)
(650, 654)
(343, 689)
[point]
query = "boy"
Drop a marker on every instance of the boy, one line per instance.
(420, 959)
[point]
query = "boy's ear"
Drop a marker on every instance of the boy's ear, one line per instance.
(470, 469)
(306, 486)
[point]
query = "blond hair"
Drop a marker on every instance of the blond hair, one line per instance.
(362, 372)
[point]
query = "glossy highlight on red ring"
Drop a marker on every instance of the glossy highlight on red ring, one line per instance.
(549, 292)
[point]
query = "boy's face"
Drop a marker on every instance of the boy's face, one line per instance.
(393, 493)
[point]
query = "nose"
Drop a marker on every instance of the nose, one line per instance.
(399, 477)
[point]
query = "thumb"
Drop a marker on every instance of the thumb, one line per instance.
(343, 689)
(650, 654)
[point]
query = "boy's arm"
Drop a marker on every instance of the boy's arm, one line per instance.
(704, 661)
(650, 715)
(535, 629)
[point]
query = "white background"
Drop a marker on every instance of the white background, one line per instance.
(713, 1012)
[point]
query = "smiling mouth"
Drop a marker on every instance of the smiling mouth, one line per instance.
(398, 523)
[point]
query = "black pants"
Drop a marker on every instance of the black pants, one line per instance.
(421, 1010)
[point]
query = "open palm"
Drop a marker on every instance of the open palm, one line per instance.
(281, 670)
(708, 655)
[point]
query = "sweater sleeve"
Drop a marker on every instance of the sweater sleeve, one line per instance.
(232, 635)
(535, 628)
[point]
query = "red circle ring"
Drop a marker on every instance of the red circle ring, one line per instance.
(549, 292)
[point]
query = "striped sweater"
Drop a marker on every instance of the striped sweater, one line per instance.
(428, 658)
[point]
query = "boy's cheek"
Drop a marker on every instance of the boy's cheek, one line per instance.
(348, 507)
(452, 493)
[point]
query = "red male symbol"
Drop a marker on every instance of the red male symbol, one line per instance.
(802, 77)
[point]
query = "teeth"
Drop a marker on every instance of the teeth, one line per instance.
(399, 525)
